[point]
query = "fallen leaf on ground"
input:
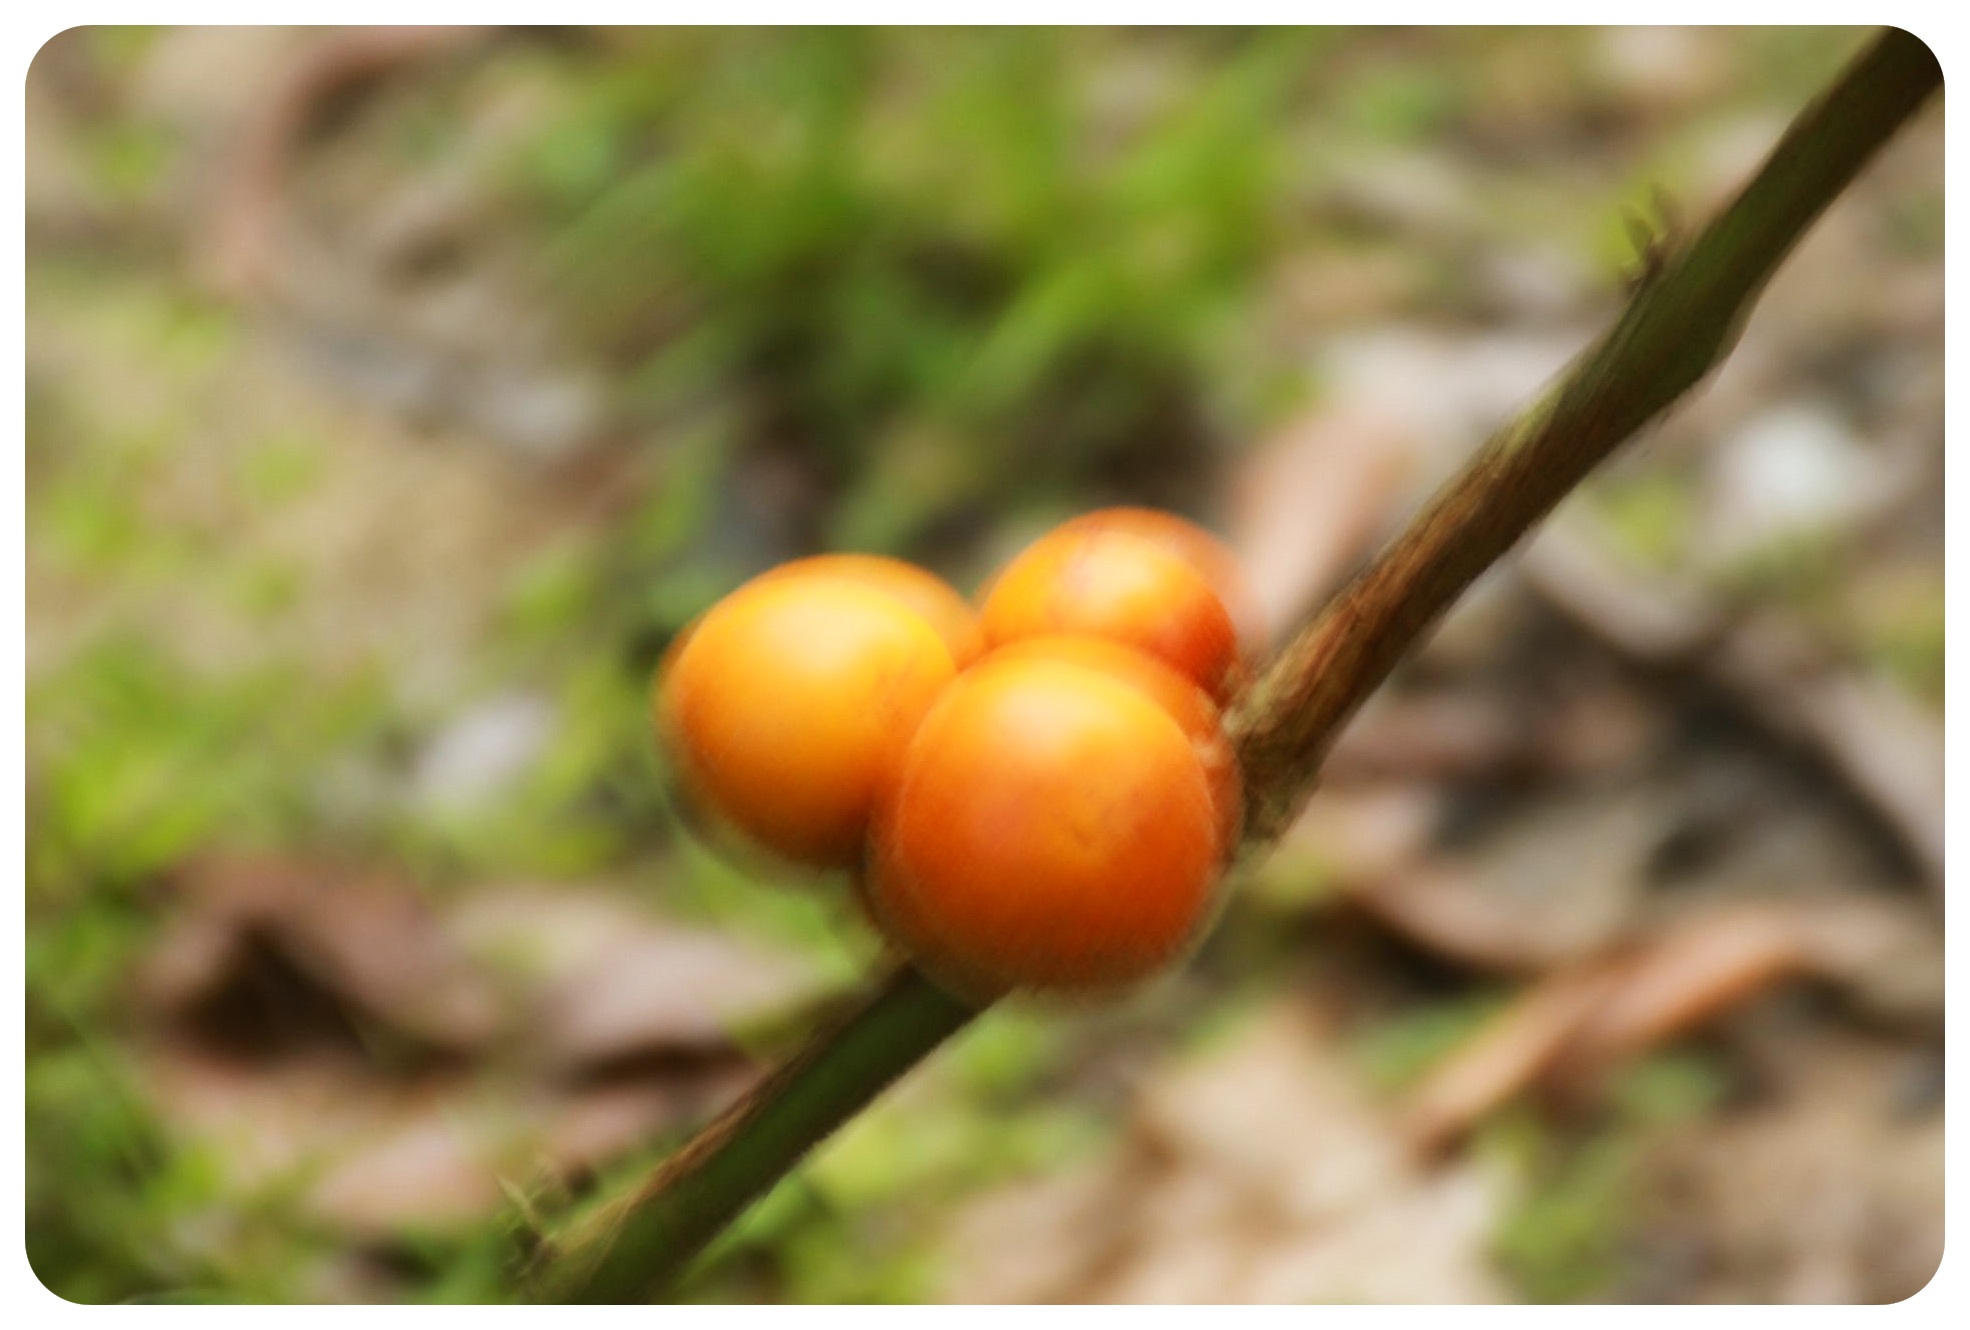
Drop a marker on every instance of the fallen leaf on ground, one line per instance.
(328, 941)
(278, 990)
(1868, 733)
(1557, 882)
(433, 1170)
(1447, 736)
(1826, 1191)
(1364, 833)
(1685, 976)
(1308, 502)
(616, 983)
(1506, 1056)
(1258, 1172)
(1568, 1031)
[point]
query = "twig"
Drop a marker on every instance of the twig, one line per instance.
(1676, 328)
(1567, 1033)
(1508, 1054)
(636, 1243)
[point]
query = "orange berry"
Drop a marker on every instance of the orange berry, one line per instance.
(1052, 828)
(1187, 704)
(925, 592)
(790, 702)
(1144, 578)
(1204, 551)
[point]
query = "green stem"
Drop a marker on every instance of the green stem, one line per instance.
(1678, 326)
(636, 1244)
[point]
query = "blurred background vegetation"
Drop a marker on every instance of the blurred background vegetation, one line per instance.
(394, 398)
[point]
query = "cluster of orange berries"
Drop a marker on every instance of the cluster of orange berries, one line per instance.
(1038, 795)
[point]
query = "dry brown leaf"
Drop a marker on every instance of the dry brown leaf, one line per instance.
(1884, 953)
(597, 1123)
(1507, 1055)
(1419, 1245)
(1279, 1119)
(617, 984)
(278, 978)
(1569, 1030)
(326, 937)
(1687, 975)
(1825, 1191)
(1443, 736)
(374, 1156)
(435, 1169)
(1650, 619)
(1867, 732)
(266, 1121)
(369, 1156)
(1038, 1241)
(1580, 724)
(1257, 1172)
(1310, 501)
(1556, 883)
(1366, 833)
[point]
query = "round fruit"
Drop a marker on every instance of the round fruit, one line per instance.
(1187, 704)
(925, 592)
(789, 703)
(1147, 579)
(1052, 828)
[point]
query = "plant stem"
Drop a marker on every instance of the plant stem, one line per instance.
(1678, 326)
(637, 1243)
